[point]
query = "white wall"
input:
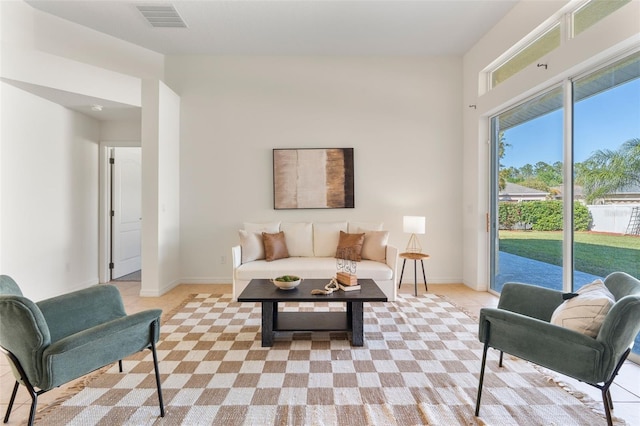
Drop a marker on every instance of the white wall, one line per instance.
(42, 50)
(129, 131)
(613, 35)
(30, 29)
(48, 195)
(161, 188)
(401, 115)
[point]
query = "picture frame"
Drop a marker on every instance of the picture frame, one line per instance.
(313, 178)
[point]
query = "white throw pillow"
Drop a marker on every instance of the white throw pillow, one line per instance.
(251, 246)
(585, 312)
(251, 243)
(299, 238)
(326, 236)
(375, 245)
(360, 227)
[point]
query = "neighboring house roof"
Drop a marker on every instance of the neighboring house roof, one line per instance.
(627, 194)
(630, 189)
(578, 192)
(515, 192)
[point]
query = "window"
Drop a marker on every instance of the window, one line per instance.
(534, 51)
(579, 19)
(593, 12)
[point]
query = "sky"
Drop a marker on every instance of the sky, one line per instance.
(603, 121)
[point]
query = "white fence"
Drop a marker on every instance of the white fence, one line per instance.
(611, 217)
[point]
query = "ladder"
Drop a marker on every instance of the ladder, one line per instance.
(634, 222)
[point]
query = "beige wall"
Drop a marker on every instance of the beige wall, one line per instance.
(27, 28)
(402, 116)
(49, 188)
(48, 195)
(161, 186)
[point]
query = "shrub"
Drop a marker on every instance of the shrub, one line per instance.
(541, 215)
(508, 215)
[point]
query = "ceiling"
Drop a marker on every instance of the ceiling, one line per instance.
(294, 27)
(276, 27)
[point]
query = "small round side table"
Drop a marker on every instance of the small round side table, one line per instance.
(415, 257)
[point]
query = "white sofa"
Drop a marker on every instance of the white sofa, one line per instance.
(312, 248)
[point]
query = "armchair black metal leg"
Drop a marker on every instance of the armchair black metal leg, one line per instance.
(501, 356)
(609, 399)
(155, 368)
(606, 393)
(27, 384)
(120, 365)
(13, 398)
(484, 362)
(608, 405)
(34, 403)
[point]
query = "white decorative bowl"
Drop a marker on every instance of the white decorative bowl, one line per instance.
(286, 285)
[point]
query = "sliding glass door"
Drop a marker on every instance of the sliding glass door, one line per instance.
(527, 195)
(606, 120)
(566, 182)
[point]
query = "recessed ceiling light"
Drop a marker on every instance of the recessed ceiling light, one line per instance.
(96, 107)
(162, 16)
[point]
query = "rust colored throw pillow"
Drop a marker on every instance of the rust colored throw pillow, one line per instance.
(275, 246)
(350, 246)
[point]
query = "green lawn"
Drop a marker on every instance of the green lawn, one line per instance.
(597, 254)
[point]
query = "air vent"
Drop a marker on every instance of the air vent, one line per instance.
(165, 16)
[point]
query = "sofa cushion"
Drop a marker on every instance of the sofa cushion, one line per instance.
(326, 236)
(275, 246)
(299, 238)
(251, 246)
(374, 246)
(310, 267)
(586, 312)
(350, 246)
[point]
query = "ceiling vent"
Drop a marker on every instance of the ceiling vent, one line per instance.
(162, 16)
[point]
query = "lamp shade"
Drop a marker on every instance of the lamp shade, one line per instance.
(413, 224)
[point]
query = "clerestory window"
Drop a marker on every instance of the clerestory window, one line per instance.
(571, 23)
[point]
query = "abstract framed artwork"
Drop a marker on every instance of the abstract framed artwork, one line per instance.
(313, 178)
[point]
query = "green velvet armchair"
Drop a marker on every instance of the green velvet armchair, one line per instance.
(520, 326)
(54, 341)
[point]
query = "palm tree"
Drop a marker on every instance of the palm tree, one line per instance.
(607, 171)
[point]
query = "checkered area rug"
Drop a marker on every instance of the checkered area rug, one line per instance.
(419, 366)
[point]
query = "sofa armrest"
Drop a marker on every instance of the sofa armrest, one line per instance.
(519, 297)
(392, 260)
(236, 256)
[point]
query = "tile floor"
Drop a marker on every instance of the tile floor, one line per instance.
(625, 391)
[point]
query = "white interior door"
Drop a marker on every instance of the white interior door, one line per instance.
(126, 208)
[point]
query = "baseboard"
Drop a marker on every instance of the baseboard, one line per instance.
(160, 291)
(409, 280)
(206, 280)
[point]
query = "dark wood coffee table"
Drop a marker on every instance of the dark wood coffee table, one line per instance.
(265, 292)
